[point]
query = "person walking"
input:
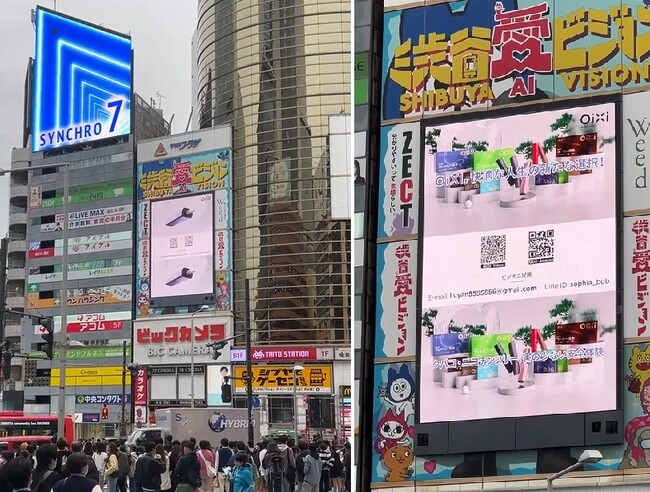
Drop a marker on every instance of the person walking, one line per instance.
(99, 457)
(62, 454)
(18, 474)
(347, 463)
(165, 477)
(303, 451)
(111, 468)
(336, 472)
(77, 465)
(92, 474)
(327, 461)
(187, 474)
(148, 469)
(312, 469)
(223, 456)
(44, 477)
(208, 472)
(243, 474)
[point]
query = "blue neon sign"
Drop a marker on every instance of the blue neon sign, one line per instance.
(82, 82)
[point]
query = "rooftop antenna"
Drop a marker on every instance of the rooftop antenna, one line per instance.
(160, 98)
(189, 120)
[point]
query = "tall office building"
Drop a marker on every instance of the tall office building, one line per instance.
(100, 273)
(276, 71)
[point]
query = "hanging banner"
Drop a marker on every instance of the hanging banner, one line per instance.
(636, 235)
(399, 180)
(140, 393)
(35, 193)
(466, 55)
(396, 299)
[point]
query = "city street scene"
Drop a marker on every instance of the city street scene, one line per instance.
(501, 255)
(175, 246)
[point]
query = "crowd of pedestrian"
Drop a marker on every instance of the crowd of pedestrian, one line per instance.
(272, 465)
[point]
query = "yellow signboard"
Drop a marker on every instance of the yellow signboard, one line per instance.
(90, 376)
(279, 379)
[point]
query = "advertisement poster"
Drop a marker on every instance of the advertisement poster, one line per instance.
(188, 174)
(79, 67)
(83, 297)
(394, 418)
(636, 153)
(399, 180)
(468, 55)
(182, 249)
(35, 193)
(636, 233)
(219, 389)
(510, 204)
(279, 379)
(90, 376)
(636, 402)
(84, 270)
(92, 192)
(397, 265)
(88, 322)
(91, 218)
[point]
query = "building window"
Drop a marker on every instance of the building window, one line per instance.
(239, 402)
(322, 412)
(280, 409)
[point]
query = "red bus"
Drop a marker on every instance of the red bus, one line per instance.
(17, 428)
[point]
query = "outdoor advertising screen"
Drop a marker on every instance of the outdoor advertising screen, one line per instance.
(519, 273)
(82, 82)
(182, 246)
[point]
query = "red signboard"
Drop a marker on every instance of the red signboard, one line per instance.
(283, 353)
(41, 253)
(140, 387)
(89, 326)
(176, 334)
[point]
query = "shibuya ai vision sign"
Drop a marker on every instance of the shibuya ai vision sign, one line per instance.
(82, 82)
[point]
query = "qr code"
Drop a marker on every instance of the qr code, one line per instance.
(173, 242)
(189, 241)
(541, 246)
(493, 251)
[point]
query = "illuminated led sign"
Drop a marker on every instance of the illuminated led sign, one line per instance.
(82, 82)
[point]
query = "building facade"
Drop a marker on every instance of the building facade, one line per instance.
(276, 72)
(100, 274)
(452, 84)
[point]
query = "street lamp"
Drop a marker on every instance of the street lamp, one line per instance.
(296, 370)
(200, 310)
(60, 429)
(588, 456)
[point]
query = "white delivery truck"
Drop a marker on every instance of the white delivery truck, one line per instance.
(210, 424)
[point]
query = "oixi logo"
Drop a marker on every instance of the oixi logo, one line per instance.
(594, 118)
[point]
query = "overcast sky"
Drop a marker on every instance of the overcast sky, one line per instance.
(162, 36)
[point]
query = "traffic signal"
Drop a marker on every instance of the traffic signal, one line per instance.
(48, 336)
(104, 412)
(7, 355)
(216, 349)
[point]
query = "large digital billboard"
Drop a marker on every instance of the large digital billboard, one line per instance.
(182, 246)
(519, 270)
(456, 55)
(82, 82)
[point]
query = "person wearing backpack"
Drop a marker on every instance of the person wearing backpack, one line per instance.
(44, 477)
(289, 462)
(223, 455)
(187, 476)
(276, 472)
(206, 460)
(327, 462)
(148, 469)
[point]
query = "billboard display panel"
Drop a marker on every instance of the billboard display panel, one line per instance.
(519, 227)
(182, 246)
(218, 391)
(82, 82)
(463, 55)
